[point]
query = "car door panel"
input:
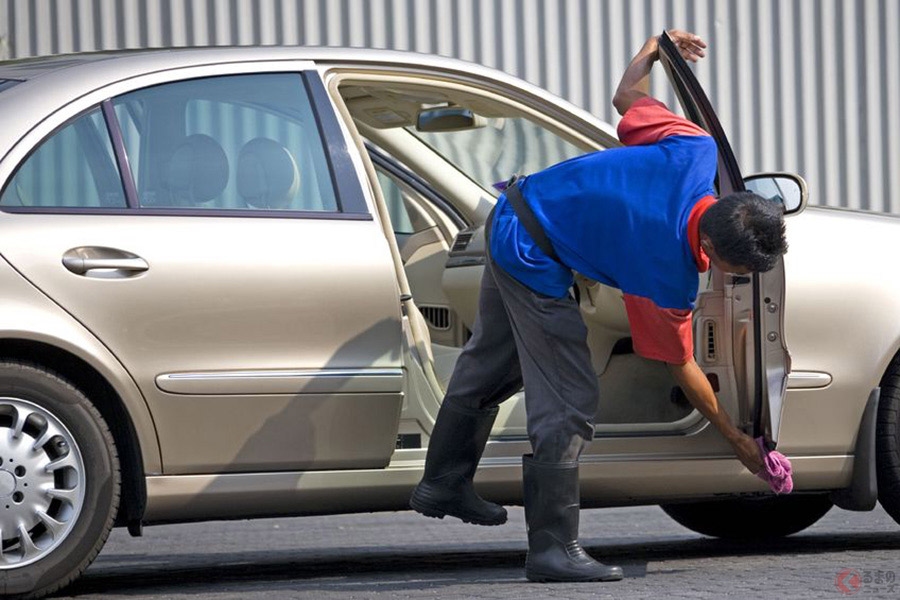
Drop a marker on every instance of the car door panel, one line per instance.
(246, 297)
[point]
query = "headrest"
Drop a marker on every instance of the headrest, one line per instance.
(267, 175)
(197, 170)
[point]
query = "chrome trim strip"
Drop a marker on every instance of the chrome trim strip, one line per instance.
(293, 373)
(808, 380)
(301, 381)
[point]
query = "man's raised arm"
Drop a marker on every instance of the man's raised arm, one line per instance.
(635, 83)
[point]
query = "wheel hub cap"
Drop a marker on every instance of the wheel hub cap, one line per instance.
(42, 482)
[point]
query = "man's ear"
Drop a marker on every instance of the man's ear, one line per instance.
(706, 244)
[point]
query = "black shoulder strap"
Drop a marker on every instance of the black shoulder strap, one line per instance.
(529, 221)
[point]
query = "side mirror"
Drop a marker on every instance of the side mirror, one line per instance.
(785, 188)
(452, 118)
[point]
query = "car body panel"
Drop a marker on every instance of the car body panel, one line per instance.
(28, 314)
(844, 305)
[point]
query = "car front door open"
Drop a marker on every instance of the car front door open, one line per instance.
(759, 356)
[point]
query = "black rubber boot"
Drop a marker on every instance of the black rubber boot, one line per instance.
(457, 442)
(552, 504)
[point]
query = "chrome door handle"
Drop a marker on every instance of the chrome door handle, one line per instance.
(80, 266)
(104, 263)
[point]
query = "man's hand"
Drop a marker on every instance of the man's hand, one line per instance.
(635, 83)
(702, 397)
(691, 47)
(747, 452)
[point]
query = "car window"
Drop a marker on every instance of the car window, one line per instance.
(73, 168)
(393, 197)
(226, 143)
(503, 147)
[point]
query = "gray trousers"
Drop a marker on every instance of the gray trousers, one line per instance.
(519, 337)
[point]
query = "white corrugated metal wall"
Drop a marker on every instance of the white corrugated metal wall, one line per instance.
(811, 86)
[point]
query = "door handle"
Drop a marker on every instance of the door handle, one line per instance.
(103, 263)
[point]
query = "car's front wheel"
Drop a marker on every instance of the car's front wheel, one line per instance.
(751, 518)
(59, 481)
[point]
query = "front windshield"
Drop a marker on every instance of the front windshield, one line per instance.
(501, 148)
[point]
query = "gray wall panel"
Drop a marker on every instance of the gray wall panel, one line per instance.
(811, 86)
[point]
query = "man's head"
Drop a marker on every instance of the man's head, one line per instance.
(743, 233)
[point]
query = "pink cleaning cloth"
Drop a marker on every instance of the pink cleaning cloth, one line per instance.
(777, 469)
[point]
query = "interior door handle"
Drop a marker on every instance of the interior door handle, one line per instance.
(103, 263)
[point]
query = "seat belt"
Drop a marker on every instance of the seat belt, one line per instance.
(528, 220)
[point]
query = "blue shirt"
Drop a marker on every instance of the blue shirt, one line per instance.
(621, 217)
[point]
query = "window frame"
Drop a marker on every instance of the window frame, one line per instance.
(348, 191)
(390, 165)
(66, 209)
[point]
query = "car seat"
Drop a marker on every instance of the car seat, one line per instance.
(267, 174)
(196, 171)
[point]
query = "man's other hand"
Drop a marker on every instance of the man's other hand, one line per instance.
(691, 47)
(635, 83)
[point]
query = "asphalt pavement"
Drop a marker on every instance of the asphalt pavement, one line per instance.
(404, 555)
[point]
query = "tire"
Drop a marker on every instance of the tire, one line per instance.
(751, 518)
(887, 441)
(66, 492)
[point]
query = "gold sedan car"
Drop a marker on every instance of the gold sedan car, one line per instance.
(235, 282)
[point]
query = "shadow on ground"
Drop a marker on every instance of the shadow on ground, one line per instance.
(429, 568)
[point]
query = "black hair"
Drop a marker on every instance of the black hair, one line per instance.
(746, 230)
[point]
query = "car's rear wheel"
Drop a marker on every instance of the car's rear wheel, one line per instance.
(887, 441)
(751, 518)
(59, 481)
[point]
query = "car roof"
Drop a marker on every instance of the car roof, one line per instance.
(140, 61)
(28, 68)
